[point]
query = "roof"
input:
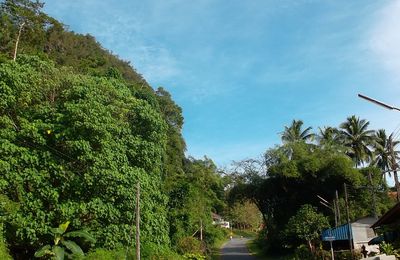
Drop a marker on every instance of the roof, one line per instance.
(215, 216)
(390, 217)
(339, 233)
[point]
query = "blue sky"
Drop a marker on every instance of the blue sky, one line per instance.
(242, 70)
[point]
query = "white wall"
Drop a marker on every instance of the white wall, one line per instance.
(362, 233)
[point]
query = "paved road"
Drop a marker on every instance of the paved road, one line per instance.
(236, 249)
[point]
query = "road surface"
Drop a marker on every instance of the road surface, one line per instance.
(236, 249)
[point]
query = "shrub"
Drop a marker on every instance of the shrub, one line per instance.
(155, 252)
(192, 256)
(106, 254)
(302, 252)
(346, 255)
(4, 254)
(388, 249)
(190, 245)
(214, 234)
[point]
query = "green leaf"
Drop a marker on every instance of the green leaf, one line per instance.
(81, 233)
(64, 226)
(73, 247)
(57, 231)
(59, 253)
(43, 251)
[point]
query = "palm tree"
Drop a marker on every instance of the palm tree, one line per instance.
(294, 133)
(394, 156)
(328, 136)
(357, 138)
(382, 152)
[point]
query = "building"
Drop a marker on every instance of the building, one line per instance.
(219, 221)
(390, 221)
(360, 233)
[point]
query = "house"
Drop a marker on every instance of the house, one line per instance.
(219, 221)
(390, 218)
(360, 233)
(390, 221)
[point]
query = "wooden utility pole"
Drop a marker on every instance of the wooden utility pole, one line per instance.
(138, 221)
(337, 207)
(334, 210)
(373, 195)
(201, 230)
(348, 218)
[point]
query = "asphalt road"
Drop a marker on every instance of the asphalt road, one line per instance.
(236, 249)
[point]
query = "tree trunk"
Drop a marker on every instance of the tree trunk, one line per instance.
(396, 181)
(310, 246)
(17, 41)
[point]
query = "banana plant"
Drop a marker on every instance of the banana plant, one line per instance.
(62, 246)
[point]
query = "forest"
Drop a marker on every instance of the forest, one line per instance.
(81, 130)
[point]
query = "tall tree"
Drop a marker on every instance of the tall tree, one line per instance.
(394, 156)
(295, 133)
(73, 148)
(356, 136)
(23, 15)
(385, 153)
(328, 136)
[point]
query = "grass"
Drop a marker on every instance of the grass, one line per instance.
(257, 251)
(244, 233)
(216, 250)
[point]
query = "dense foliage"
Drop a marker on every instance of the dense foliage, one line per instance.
(73, 148)
(78, 129)
(290, 176)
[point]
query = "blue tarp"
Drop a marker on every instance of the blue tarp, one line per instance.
(339, 233)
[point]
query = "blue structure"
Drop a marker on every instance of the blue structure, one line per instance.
(338, 233)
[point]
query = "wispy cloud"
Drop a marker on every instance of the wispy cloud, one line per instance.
(125, 34)
(385, 37)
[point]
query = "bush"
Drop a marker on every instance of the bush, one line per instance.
(346, 255)
(4, 254)
(215, 234)
(155, 252)
(194, 256)
(105, 254)
(190, 245)
(302, 252)
(388, 249)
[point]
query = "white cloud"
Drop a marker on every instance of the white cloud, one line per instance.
(385, 37)
(157, 64)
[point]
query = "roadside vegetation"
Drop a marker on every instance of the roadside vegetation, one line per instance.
(80, 130)
(285, 182)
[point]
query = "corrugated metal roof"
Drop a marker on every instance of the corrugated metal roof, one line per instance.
(390, 217)
(339, 233)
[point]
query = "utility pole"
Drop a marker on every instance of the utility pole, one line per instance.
(325, 203)
(201, 230)
(348, 219)
(373, 195)
(337, 207)
(334, 208)
(138, 220)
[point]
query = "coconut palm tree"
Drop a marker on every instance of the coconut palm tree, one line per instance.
(357, 138)
(382, 152)
(394, 156)
(328, 136)
(295, 133)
